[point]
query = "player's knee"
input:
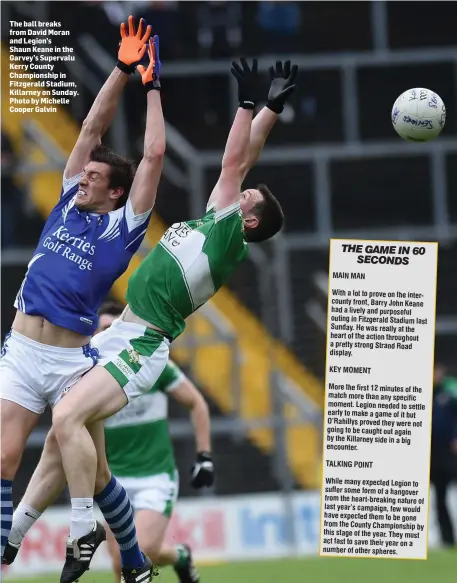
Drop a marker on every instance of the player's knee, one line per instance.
(62, 423)
(10, 460)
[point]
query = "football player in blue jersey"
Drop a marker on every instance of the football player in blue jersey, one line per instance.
(87, 242)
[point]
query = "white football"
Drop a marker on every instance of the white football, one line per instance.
(418, 115)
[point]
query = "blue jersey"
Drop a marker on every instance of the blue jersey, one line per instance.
(78, 258)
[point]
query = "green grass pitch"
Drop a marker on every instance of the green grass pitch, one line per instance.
(441, 567)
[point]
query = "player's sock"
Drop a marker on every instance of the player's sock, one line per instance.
(118, 513)
(24, 518)
(183, 556)
(82, 517)
(6, 510)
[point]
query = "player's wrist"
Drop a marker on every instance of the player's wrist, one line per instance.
(275, 107)
(127, 69)
(153, 85)
(247, 103)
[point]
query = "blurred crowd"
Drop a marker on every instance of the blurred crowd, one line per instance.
(219, 24)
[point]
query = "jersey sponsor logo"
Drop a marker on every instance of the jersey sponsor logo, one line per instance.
(183, 243)
(175, 234)
(67, 245)
(79, 242)
(123, 367)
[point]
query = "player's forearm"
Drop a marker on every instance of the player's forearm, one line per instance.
(102, 112)
(154, 136)
(237, 145)
(201, 423)
(144, 188)
(260, 130)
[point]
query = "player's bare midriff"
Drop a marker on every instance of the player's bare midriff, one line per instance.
(40, 330)
(128, 316)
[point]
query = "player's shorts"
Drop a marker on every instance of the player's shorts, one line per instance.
(34, 375)
(157, 493)
(133, 354)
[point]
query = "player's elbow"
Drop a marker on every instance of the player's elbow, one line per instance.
(199, 405)
(244, 168)
(232, 162)
(232, 168)
(155, 151)
(91, 127)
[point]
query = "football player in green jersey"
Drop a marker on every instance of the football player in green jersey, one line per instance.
(140, 455)
(182, 272)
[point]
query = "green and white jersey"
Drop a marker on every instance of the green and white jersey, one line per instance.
(188, 265)
(137, 440)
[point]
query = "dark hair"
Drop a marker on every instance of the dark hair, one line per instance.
(122, 171)
(270, 215)
(111, 308)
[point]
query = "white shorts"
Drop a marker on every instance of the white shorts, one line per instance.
(34, 375)
(133, 354)
(157, 493)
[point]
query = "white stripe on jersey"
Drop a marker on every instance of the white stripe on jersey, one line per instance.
(20, 302)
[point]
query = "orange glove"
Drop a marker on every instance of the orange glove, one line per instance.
(150, 74)
(132, 46)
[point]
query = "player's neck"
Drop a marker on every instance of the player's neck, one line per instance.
(101, 210)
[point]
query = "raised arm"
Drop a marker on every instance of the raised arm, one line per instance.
(261, 127)
(236, 149)
(282, 85)
(144, 188)
(101, 114)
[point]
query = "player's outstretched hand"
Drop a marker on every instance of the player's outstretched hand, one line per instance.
(282, 85)
(133, 44)
(248, 82)
(202, 471)
(150, 74)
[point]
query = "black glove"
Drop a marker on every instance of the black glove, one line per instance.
(281, 85)
(202, 471)
(247, 82)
